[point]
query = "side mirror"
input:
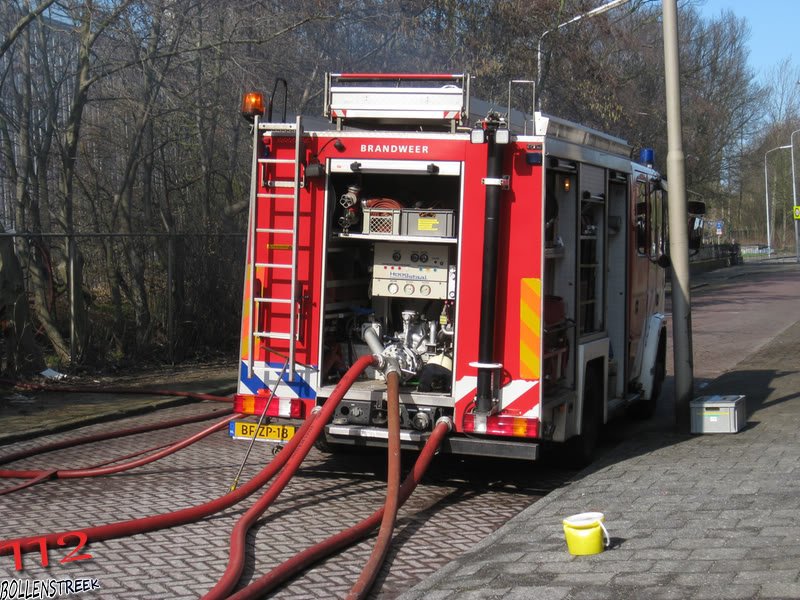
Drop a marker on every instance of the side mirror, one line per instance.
(696, 207)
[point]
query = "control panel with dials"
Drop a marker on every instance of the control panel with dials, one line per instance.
(411, 270)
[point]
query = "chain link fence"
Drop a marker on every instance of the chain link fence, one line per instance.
(148, 296)
(718, 255)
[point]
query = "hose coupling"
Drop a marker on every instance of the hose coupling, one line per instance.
(379, 360)
(392, 366)
(448, 421)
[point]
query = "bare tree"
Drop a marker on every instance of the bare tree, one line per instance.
(122, 116)
(24, 17)
(26, 142)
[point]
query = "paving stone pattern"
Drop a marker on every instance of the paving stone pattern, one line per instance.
(445, 517)
(707, 517)
(691, 517)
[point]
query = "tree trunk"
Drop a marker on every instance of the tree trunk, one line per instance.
(22, 353)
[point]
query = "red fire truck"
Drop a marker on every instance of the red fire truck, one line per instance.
(512, 266)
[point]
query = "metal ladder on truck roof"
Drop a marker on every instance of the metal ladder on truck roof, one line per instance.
(278, 191)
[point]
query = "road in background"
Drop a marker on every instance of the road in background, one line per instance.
(738, 310)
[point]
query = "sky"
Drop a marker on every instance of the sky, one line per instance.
(773, 28)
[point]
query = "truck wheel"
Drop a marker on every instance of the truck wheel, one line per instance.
(323, 446)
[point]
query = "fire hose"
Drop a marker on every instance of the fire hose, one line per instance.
(295, 452)
(313, 554)
(47, 474)
(237, 553)
(376, 558)
(37, 476)
(306, 436)
(171, 519)
(99, 437)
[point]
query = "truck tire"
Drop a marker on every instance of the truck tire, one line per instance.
(326, 447)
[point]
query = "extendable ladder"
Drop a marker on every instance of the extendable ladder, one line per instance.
(279, 192)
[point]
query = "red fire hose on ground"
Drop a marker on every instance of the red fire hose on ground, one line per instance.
(46, 474)
(180, 517)
(236, 559)
(378, 555)
(293, 454)
(345, 538)
(37, 476)
(237, 551)
(306, 436)
(386, 516)
(107, 435)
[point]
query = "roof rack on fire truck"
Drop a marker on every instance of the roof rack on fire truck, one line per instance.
(562, 129)
(435, 100)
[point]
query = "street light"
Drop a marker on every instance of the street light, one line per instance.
(677, 207)
(766, 194)
(592, 13)
(794, 198)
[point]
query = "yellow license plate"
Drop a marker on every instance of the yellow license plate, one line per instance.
(244, 430)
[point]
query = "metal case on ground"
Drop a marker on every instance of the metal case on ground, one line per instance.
(718, 414)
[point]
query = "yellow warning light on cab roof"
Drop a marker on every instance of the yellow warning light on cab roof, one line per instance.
(252, 105)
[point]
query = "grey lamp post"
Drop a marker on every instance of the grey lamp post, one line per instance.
(766, 193)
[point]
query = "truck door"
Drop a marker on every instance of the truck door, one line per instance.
(647, 278)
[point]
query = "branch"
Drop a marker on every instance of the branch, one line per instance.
(209, 46)
(22, 24)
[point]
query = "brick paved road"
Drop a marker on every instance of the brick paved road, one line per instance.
(445, 516)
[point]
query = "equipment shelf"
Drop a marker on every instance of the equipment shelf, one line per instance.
(396, 238)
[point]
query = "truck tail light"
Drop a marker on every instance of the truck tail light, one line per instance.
(290, 408)
(502, 425)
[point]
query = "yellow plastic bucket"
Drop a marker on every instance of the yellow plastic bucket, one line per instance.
(586, 533)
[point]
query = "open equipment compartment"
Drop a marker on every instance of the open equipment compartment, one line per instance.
(390, 265)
